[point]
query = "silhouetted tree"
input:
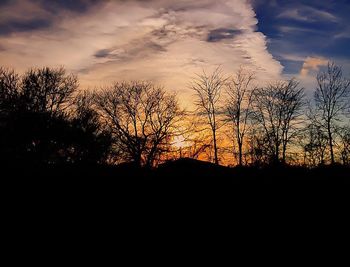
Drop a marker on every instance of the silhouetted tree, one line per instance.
(142, 118)
(331, 101)
(314, 143)
(9, 100)
(345, 145)
(44, 95)
(9, 90)
(92, 139)
(278, 110)
(48, 90)
(36, 121)
(259, 149)
(238, 107)
(207, 90)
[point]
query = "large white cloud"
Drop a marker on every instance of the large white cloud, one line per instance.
(161, 40)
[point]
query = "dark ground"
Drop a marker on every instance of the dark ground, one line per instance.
(186, 194)
(183, 174)
(183, 171)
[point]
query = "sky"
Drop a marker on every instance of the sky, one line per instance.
(168, 41)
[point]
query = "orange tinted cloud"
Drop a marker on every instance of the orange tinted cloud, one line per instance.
(312, 64)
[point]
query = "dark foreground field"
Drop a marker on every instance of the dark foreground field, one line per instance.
(179, 187)
(180, 173)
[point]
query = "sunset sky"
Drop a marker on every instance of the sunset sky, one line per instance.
(169, 41)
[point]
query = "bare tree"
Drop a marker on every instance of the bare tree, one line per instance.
(142, 118)
(331, 100)
(36, 124)
(9, 88)
(314, 144)
(238, 107)
(207, 90)
(9, 93)
(196, 141)
(345, 144)
(48, 90)
(278, 109)
(199, 144)
(38, 90)
(258, 146)
(93, 139)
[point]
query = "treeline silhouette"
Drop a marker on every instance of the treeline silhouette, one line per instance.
(49, 127)
(43, 122)
(276, 123)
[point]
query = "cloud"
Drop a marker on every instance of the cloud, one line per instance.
(30, 15)
(307, 14)
(23, 26)
(160, 40)
(296, 29)
(345, 34)
(79, 6)
(292, 57)
(293, 14)
(102, 53)
(18, 16)
(217, 35)
(312, 64)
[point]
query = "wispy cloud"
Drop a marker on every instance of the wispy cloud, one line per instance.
(343, 34)
(287, 29)
(292, 57)
(307, 13)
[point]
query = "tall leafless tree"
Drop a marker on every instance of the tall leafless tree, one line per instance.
(48, 90)
(94, 143)
(258, 146)
(207, 88)
(331, 101)
(314, 144)
(344, 134)
(238, 107)
(36, 124)
(278, 109)
(142, 118)
(9, 88)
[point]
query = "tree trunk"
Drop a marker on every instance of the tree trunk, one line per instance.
(240, 160)
(284, 153)
(330, 142)
(138, 161)
(277, 152)
(216, 160)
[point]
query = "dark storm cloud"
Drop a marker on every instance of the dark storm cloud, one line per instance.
(102, 53)
(79, 6)
(221, 34)
(12, 26)
(30, 15)
(133, 50)
(4, 2)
